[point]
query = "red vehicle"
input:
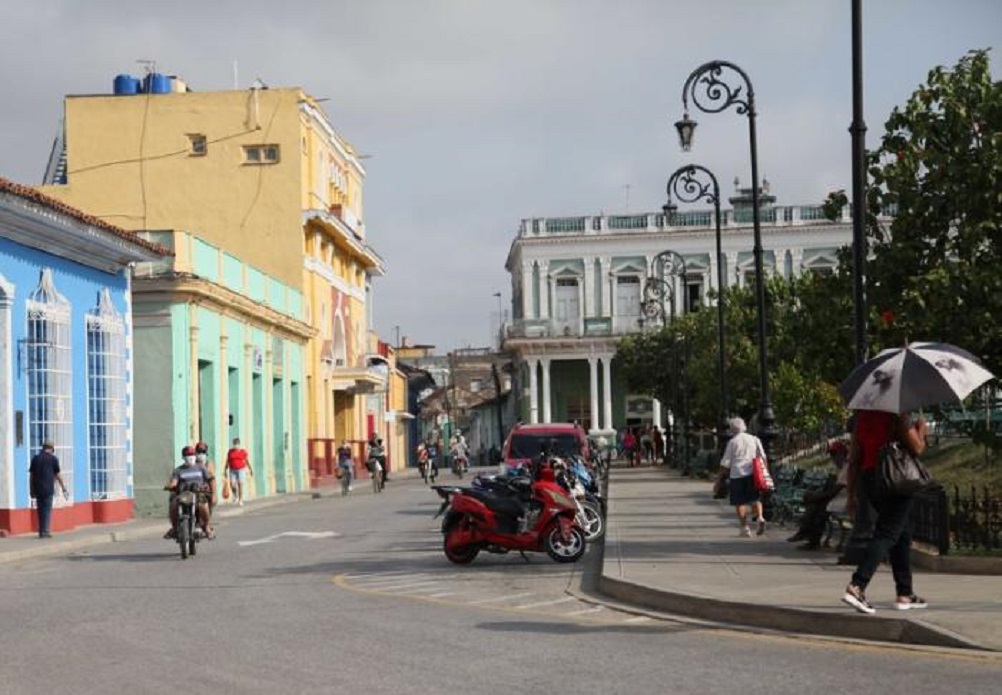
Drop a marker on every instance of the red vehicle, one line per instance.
(478, 520)
(526, 443)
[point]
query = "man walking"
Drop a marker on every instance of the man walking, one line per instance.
(43, 475)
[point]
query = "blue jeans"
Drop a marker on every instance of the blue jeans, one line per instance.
(43, 505)
(891, 537)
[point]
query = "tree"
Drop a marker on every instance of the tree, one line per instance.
(934, 270)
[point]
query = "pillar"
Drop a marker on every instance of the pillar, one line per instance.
(607, 391)
(533, 390)
(547, 414)
(593, 392)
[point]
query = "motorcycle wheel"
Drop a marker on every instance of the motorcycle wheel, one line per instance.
(561, 551)
(183, 537)
(594, 525)
(191, 546)
(461, 556)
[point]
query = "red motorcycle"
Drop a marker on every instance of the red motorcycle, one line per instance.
(543, 520)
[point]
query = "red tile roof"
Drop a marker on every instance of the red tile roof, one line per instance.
(29, 193)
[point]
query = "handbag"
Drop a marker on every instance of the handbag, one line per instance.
(226, 489)
(762, 477)
(339, 472)
(899, 472)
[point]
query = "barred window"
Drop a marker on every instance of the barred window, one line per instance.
(49, 375)
(106, 405)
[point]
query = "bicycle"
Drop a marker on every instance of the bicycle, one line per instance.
(376, 468)
(346, 478)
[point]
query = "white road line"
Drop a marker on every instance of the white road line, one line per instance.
(497, 599)
(374, 581)
(587, 611)
(638, 619)
(442, 594)
(565, 599)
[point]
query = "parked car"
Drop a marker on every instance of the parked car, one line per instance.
(526, 442)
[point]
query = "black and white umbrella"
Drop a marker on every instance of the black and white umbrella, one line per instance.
(916, 376)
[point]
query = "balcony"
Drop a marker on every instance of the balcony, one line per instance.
(588, 327)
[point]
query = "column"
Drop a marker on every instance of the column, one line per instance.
(593, 391)
(656, 411)
(527, 295)
(224, 396)
(547, 415)
(604, 305)
(533, 390)
(544, 290)
(607, 391)
(588, 287)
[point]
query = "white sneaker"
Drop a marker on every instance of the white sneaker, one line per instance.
(857, 599)
(745, 532)
(350, 488)
(240, 503)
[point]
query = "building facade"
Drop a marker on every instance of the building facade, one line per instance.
(259, 180)
(578, 288)
(66, 357)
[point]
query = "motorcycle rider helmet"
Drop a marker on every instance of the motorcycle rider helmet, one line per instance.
(189, 450)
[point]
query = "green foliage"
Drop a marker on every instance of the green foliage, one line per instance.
(934, 272)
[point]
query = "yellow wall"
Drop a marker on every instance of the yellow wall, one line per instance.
(130, 163)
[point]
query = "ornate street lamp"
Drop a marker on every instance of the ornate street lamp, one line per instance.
(694, 183)
(710, 93)
(666, 269)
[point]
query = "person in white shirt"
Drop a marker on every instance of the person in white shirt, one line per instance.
(736, 463)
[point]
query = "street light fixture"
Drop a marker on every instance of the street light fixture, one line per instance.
(710, 93)
(666, 268)
(690, 184)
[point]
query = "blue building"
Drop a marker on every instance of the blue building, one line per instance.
(65, 357)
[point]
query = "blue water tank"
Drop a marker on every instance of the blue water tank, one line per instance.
(157, 83)
(126, 84)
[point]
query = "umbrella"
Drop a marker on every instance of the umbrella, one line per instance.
(918, 375)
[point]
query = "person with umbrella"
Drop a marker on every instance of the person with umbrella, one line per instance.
(884, 392)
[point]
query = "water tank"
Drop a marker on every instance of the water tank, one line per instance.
(157, 83)
(126, 84)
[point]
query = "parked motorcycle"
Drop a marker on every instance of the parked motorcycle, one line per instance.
(539, 516)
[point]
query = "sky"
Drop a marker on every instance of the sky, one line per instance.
(475, 114)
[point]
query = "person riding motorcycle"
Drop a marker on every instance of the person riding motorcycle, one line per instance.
(190, 472)
(377, 453)
(202, 459)
(460, 451)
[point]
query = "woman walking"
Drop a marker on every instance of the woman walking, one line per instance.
(742, 449)
(871, 432)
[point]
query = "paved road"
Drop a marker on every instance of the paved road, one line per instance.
(355, 595)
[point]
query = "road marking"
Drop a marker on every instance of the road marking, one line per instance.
(411, 585)
(587, 611)
(638, 619)
(565, 599)
(500, 598)
(311, 535)
(442, 594)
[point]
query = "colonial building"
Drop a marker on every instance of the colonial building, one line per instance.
(267, 197)
(578, 288)
(66, 357)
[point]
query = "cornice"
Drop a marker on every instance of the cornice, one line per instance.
(184, 289)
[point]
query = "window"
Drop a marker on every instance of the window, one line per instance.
(475, 385)
(106, 406)
(261, 154)
(197, 145)
(49, 374)
(693, 293)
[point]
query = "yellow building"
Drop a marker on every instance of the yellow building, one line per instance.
(262, 175)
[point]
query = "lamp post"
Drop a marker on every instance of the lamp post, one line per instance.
(693, 183)
(666, 268)
(712, 94)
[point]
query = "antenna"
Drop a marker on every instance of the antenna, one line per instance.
(236, 76)
(150, 65)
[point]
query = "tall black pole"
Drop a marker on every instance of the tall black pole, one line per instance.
(858, 132)
(711, 94)
(686, 185)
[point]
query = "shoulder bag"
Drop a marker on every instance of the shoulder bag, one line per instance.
(899, 472)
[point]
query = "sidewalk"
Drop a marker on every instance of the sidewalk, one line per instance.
(670, 547)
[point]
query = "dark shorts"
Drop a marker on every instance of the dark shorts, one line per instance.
(743, 490)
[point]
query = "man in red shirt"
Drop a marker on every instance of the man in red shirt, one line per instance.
(237, 470)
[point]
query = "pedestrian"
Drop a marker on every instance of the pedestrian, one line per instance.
(630, 447)
(737, 464)
(659, 445)
(238, 467)
(647, 445)
(891, 536)
(43, 474)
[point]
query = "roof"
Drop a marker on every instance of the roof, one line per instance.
(29, 193)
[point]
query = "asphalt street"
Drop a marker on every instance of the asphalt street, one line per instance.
(354, 595)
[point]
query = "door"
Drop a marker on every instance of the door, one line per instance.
(567, 312)
(627, 303)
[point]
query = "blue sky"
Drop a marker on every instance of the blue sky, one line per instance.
(477, 113)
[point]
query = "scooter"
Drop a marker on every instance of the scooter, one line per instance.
(543, 520)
